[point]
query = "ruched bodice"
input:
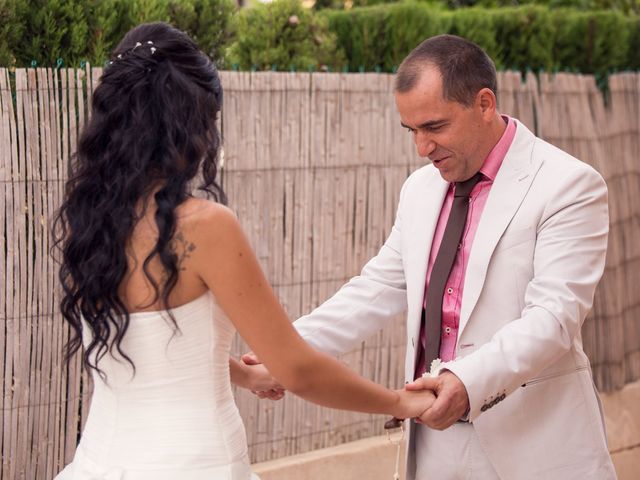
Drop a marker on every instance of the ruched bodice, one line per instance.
(175, 417)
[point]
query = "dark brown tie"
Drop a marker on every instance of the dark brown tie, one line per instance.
(432, 314)
(440, 274)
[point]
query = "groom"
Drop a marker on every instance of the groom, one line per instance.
(496, 250)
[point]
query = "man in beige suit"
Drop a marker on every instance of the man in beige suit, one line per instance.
(516, 398)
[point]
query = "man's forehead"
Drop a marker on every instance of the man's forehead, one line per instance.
(429, 82)
(427, 91)
(410, 72)
(423, 108)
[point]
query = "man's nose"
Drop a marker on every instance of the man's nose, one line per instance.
(424, 144)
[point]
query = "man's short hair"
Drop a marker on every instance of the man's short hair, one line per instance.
(465, 68)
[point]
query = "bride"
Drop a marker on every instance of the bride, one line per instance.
(156, 282)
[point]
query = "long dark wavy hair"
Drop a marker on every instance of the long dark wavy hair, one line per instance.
(152, 128)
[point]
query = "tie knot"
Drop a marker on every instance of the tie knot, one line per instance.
(463, 189)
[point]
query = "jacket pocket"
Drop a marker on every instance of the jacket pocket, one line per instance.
(561, 373)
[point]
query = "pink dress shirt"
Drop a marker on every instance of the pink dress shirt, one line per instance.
(452, 300)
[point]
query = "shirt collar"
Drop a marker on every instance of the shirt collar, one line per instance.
(494, 160)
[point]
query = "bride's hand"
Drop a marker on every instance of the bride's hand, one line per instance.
(263, 384)
(413, 404)
(251, 358)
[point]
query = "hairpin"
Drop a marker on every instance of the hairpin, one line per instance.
(138, 44)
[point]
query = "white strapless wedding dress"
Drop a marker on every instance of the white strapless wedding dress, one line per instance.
(175, 419)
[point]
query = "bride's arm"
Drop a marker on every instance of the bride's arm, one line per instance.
(227, 265)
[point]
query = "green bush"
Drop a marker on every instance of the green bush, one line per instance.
(361, 35)
(283, 35)
(633, 25)
(48, 30)
(479, 28)
(596, 43)
(406, 28)
(321, 4)
(208, 22)
(517, 38)
(625, 6)
(11, 29)
(526, 37)
(109, 22)
(76, 30)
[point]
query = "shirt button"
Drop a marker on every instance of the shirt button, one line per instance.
(447, 329)
(449, 290)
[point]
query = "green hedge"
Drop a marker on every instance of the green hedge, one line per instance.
(519, 38)
(625, 6)
(77, 30)
(283, 35)
(371, 38)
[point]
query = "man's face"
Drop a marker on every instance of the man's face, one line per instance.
(450, 134)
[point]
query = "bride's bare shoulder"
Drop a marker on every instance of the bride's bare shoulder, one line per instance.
(201, 209)
(207, 221)
(215, 240)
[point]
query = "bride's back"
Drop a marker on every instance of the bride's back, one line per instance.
(176, 415)
(175, 411)
(137, 288)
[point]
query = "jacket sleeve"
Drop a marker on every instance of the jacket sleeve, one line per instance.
(568, 262)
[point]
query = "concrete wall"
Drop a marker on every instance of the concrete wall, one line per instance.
(374, 458)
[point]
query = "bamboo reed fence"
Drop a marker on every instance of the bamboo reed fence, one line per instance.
(314, 164)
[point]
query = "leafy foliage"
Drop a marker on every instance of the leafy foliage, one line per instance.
(11, 28)
(625, 6)
(283, 35)
(519, 38)
(76, 30)
(539, 35)
(50, 29)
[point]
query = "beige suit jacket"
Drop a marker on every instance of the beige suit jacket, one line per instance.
(536, 259)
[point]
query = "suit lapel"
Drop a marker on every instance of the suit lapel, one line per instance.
(420, 225)
(507, 193)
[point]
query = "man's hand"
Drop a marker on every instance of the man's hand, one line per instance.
(452, 400)
(263, 385)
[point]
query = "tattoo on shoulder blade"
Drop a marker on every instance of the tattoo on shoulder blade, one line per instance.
(182, 248)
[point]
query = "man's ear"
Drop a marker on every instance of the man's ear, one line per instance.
(486, 101)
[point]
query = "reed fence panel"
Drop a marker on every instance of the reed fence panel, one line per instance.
(313, 167)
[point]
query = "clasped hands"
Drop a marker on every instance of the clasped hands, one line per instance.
(437, 402)
(450, 399)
